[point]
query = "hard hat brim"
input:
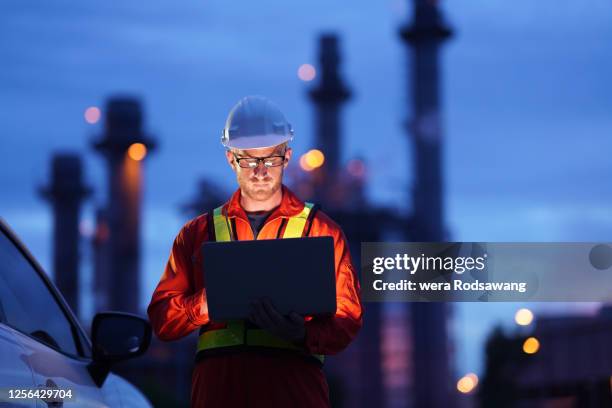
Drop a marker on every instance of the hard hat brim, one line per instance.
(256, 142)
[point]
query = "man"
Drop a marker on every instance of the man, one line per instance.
(282, 369)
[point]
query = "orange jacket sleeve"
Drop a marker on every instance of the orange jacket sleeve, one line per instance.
(331, 334)
(178, 305)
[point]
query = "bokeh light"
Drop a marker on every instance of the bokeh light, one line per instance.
(303, 164)
(137, 151)
(467, 383)
(92, 115)
(531, 345)
(314, 158)
(307, 72)
(523, 317)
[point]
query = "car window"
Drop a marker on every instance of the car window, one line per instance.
(27, 303)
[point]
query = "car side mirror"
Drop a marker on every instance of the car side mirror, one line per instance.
(116, 336)
(119, 336)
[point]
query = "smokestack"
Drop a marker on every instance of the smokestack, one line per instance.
(101, 259)
(124, 145)
(66, 193)
(328, 98)
(424, 35)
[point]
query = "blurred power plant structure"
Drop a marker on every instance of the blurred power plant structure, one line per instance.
(328, 185)
(66, 192)
(566, 361)
(425, 34)
(123, 145)
(164, 373)
(402, 356)
(328, 99)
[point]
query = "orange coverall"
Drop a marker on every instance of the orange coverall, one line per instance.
(178, 307)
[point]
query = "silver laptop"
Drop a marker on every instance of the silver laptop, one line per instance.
(297, 274)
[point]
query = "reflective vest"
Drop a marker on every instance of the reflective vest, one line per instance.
(236, 333)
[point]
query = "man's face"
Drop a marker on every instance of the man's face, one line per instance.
(259, 183)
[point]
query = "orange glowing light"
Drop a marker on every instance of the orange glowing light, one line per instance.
(531, 345)
(304, 164)
(467, 383)
(137, 151)
(92, 115)
(314, 158)
(307, 72)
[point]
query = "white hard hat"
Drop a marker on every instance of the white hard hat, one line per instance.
(255, 123)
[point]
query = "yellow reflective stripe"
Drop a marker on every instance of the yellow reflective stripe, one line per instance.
(259, 337)
(262, 338)
(222, 232)
(232, 335)
(295, 225)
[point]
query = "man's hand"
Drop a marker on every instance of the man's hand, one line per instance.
(290, 328)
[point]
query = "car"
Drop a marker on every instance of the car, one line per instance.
(46, 358)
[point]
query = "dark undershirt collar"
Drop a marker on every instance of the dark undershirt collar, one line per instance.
(257, 219)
